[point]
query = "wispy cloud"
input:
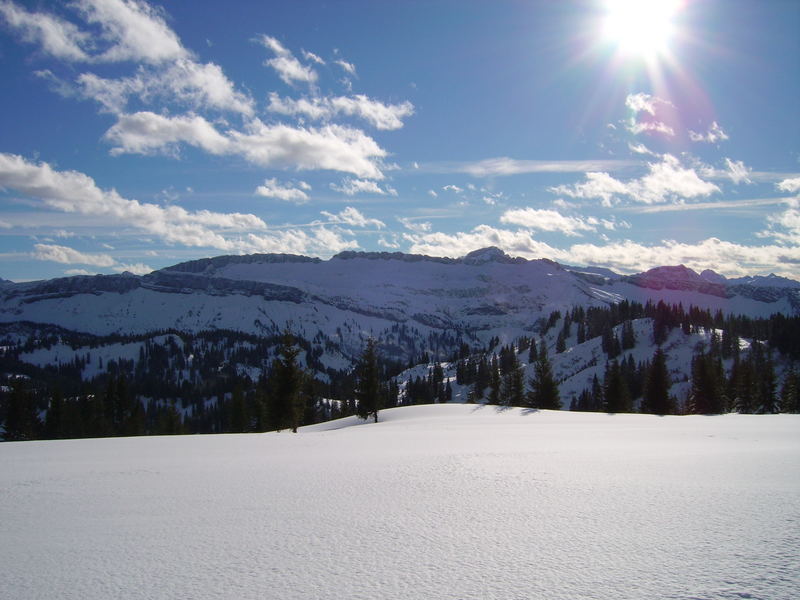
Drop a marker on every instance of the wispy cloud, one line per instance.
(57, 37)
(352, 217)
(70, 256)
(273, 189)
(289, 69)
(504, 166)
(351, 187)
(713, 135)
(379, 115)
(547, 220)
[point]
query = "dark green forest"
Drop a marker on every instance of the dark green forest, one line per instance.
(225, 381)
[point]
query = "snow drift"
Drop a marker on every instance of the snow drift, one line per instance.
(438, 501)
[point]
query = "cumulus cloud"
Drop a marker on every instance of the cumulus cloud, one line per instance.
(70, 256)
(332, 147)
(790, 185)
(353, 217)
(273, 189)
(713, 135)
(351, 187)
(547, 220)
(453, 188)
(286, 64)
(624, 256)
(379, 115)
(136, 31)
(666, 181)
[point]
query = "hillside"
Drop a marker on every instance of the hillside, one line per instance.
(452, 501)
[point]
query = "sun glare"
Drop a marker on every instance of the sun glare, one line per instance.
(640, 28)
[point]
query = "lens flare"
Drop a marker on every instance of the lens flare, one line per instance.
(640, 28)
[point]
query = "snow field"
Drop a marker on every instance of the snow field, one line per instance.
(436, 501)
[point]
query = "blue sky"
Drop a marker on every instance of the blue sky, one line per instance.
(134, 135)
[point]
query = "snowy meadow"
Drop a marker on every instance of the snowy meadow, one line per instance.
(436, 501)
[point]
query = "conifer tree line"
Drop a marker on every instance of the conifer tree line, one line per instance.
(170, 387)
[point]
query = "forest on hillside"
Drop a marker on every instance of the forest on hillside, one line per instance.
(225, 381)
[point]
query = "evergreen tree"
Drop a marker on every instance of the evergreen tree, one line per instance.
(494, 382)
(544, 390)
(615, 390)
(284, 400)
(656, 397)
(22, 421)
(790, 393)
(368, 389)
(513, 392)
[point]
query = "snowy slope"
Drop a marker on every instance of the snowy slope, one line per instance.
(441, 501)
(485, 292)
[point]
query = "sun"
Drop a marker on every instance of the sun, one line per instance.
(640, 28)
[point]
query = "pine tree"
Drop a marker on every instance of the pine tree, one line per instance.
(513, 392)
(544, 390)
(615, 390)
(494, 382)
(656, 397)
(22, 421)
(284, 400)
(368, 389)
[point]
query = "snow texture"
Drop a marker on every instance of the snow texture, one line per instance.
(437, 501)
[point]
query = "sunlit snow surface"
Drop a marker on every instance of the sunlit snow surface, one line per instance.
(452, 501)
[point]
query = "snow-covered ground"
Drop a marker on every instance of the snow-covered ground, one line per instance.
(438, 501)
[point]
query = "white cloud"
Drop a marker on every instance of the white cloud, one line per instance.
(433, 194)
(74, 192)
(353, 217)
(637, 127)
(713, 135)
(135, 268)
(351, 187)
(504, 166)
(380, 115)
(641, 149)
(149, 133)
(331, 147)
(415, 225)
(273, 189)
(644, 103)
(78, 272)
(57, 37)
(350, 68)
(547, 220)
(791, 185)
(453, 188)
(624, 257)
(737, 171)
(667, 181)
(136, 30)
(70, 256)
(289, 69)
(597, 185)
(312, 57)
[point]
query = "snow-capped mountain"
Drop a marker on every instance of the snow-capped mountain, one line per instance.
(483, 294)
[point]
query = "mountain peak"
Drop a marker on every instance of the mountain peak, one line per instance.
(486, 255)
